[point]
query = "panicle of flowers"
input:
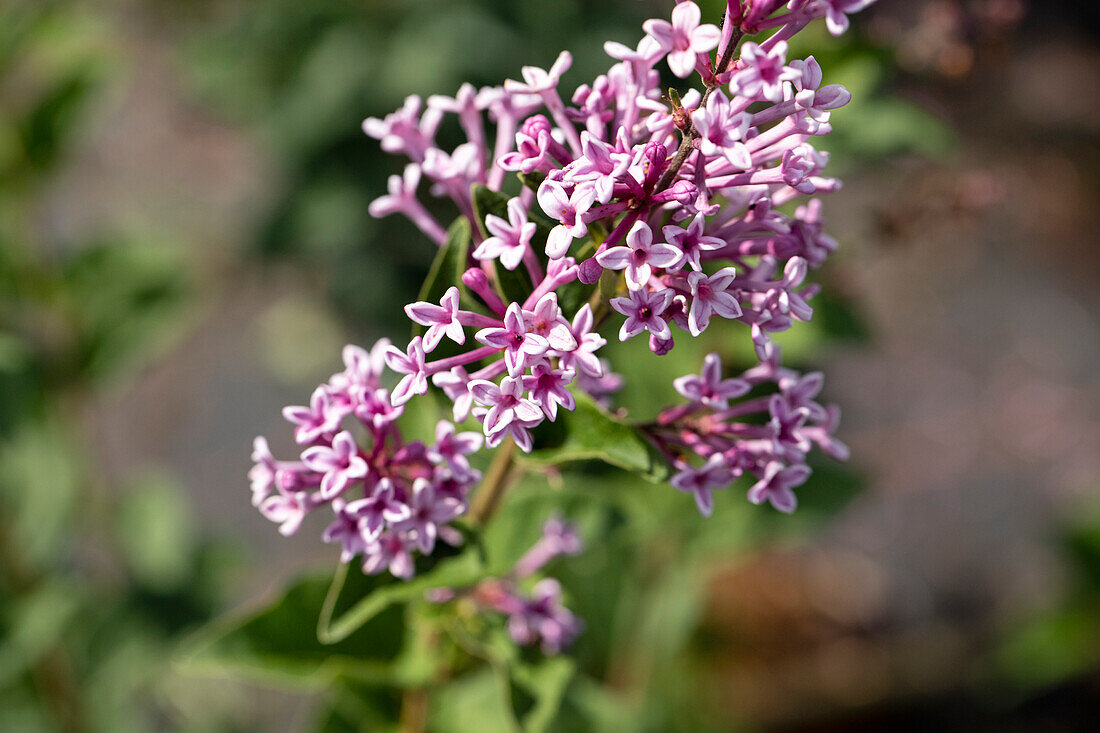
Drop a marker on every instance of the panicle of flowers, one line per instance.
(723, 433)
(695, 208)
(390, 498)
(685, 197)
(537, 617)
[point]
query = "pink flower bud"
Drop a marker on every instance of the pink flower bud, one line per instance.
(590, 271)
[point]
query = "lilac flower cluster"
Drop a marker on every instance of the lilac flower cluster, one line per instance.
(535, 617)
(683, 210)
(390, 498)
(772, 448)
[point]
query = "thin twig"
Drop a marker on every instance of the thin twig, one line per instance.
(687, 143)
(414, 710)
(496, 482)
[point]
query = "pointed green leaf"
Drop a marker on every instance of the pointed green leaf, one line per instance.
(514, 285)
(350, 604)
(534, 684)
(488, 201)
(446, 271)
(592, 433)
(278, 644)
(447, 268)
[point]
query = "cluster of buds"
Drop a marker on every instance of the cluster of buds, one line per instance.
(670, 211)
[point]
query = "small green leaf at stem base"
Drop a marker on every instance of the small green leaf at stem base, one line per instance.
(592, 433)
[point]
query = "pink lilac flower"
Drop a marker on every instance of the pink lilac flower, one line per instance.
(600, 165)
(786, 424)
(546, 320)
(583, 357)
(373, 406)
(569, 209)
(405, 131)
(836, 12)
(505, 403)
(776, 485)
(643, 310)
(647, 53)
(455, 384)
(710, 294)
(692, 241)
(543, 619)
(701, 482)
(426, 513)
(374, 512)
(401, 199)
(612, 163)
(764, 72)
(285, 509)
(340, 464)
(559, 537)
(362, 368)
(683, 38)
(519, 431)
(640, 255)
(345, 531)
(313, 421)
(799, 166)
(518, 343)
(411, 364)
(510, 238)
(816, 100)
(708, 388)
(393, 552)
(800, 392)
(601, 388)
(536, 80)
(722, 131)
(440, 319)
(262, 473)
(538, 617)
(452, 447)
(549, 387)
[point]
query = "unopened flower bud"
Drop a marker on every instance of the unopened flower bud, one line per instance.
(590, 271)
(660, 346)
(655, 156)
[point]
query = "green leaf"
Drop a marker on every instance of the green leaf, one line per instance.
(473, 701)
(447, 268)
(128, 301)
(488, 201)
(359, 707)
(572, 296)
(839, 317)
(535, 684)
(278, 644)
(1049, 649)
(34, 623)
(515, 285)
(156, 529)
(446, 271)
(592, 433)
(538, 689)
(348, 605)
(40, 486)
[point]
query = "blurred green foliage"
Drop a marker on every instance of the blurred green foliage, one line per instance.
(96, 581)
